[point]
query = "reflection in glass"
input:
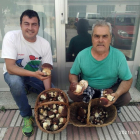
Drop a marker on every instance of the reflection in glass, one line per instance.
(123, 18)
(80, 41)
(10, 11)
(123, 26)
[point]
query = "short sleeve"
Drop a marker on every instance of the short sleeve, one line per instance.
(47, 57)
(8, 47)
(124, 71)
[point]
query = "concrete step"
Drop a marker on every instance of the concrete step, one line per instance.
(7, 101)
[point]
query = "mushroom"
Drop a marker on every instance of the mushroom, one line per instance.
(84, 83)
(55, 111)
(60, 98)
(51, 94)
(43, 96)
(82, 112)
(103, 101)
(55, 94)
(51, 114)
(60, 125)
(62, 120)
(110, 97)
(91, 119)
(62, 110)
(45, 113)
(46, 71)
(46, 126)
(41, 110)
(55, 121)
(49, 121)
(58, 115)
(52, 106)
(78, 88)
(54, 127)
(41, 117)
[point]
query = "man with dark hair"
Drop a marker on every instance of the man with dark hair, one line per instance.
(30, 14)
(79, 42)
(25, 53)
(102, 65)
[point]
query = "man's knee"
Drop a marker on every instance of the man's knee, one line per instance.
(124, 99)
(14, 81)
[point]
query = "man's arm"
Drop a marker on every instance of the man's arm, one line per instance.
(47, 83)
(12, 68)
(73, 78)
(123, 88)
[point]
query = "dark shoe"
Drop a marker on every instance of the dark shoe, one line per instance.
(118, 110)
(28, 128)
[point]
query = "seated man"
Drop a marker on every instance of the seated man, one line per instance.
(24, 53)
(102, 65)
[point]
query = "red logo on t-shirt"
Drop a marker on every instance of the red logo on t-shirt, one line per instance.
(21, 54)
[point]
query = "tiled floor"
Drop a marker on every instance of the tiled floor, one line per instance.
(125, 127)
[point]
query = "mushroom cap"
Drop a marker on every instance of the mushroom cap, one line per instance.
(46, 71)
(103, 101)
(47, 65)
(82, 113)
(84, 83)
(62, 110)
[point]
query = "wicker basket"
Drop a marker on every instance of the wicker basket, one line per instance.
(48, 103)
(112, 113)
(51, 90)
(73, 113)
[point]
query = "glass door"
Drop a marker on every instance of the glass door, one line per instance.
(124, 18)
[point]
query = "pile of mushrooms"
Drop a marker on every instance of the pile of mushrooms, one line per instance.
(82, 115)
(52, 116)
(98, 115)
(52, 96)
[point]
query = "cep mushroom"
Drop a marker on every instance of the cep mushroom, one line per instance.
(84, 83)
(46, 71)
(107, 94)
(103, 101)
(62, 110)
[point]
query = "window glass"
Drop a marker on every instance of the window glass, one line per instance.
(124, 20)
(10, 11)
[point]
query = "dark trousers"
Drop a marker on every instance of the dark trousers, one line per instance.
(17, 88)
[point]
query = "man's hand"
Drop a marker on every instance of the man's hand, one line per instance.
(40, 75)
(72, 87)
(112, 102)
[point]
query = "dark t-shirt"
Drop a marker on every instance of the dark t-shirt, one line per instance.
(77, 44)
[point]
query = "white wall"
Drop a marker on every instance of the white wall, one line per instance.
(121, 8)
(91, 9)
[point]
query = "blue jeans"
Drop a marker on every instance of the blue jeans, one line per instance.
(17, 86)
